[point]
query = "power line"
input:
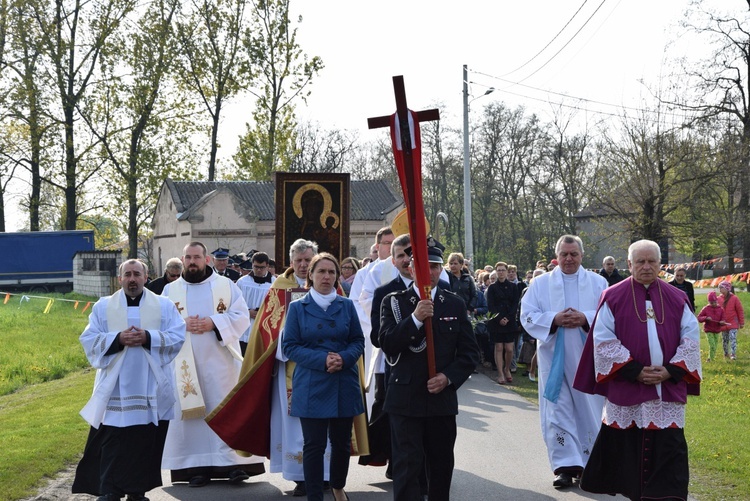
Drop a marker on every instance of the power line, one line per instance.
(550, 42)
(566, 44)
(580, 99)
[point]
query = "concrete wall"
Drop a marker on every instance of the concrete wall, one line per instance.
(102, 279)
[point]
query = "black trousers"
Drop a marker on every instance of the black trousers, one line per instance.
(316, 433)
(121, 460)
(419, 442)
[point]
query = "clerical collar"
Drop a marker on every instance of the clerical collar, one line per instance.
(134, 301)
(300, 281)
(264, 279)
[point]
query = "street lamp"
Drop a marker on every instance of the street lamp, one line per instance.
(469, 234)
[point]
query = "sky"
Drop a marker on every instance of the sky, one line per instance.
(597, 50)
(531, 52)
(364, 44)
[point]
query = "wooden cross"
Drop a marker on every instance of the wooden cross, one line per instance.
(385, 121)
(410, 175)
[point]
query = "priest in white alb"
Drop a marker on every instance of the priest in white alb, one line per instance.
(558, 310)
(206, 370)
(131, 339)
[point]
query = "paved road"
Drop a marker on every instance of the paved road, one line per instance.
(499, 456)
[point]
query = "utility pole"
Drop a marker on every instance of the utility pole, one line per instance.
(468, 231)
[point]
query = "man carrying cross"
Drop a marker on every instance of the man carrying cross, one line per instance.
(426, 371)
(422, 408)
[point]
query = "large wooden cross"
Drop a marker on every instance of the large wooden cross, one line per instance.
(409, 166)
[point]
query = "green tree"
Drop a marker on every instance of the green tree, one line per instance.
(28, 102)
(214, 66)
(73, 36)
(282, 75)
(140, 121)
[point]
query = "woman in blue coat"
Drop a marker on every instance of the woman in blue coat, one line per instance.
(323, 336)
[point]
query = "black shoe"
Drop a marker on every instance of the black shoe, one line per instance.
(326, 485)
(136, 497)
(299, 490)
(389, 471)
(199, 481)
(109, 497)
(237, 476)
(563, 480)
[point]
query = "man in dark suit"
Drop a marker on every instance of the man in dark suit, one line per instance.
(379, 430)
(422, 410)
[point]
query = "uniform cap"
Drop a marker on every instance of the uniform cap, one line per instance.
(434, 251)
(221, 253)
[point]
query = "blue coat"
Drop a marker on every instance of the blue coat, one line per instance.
(309, 334)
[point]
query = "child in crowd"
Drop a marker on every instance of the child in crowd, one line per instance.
(713, 316)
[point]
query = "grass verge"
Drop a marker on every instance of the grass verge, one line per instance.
(41, 432)
(38, 346)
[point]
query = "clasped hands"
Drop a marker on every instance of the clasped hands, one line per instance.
(570, 317)
(133, 336)
(334, 362)
(653, 374)
(198, 325)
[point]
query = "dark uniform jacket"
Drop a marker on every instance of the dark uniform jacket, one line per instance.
(397, 284)
(456, 353)
(230, 274)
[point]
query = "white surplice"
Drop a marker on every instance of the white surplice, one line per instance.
(131, 391)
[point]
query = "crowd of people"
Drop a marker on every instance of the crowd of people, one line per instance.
(215, 366)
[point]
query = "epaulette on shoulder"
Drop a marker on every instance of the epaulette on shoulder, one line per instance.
(399, 293)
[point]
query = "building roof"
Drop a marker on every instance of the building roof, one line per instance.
(370, 200)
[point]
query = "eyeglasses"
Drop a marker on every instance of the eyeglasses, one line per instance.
(259, 268)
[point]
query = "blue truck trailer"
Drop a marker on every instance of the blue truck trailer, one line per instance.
(41, 261)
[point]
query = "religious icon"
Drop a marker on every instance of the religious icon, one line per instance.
(314, 207)
(221, 307)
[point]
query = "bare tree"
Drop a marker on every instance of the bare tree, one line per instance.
(319, 150)
(721, 86)
(642, 168)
